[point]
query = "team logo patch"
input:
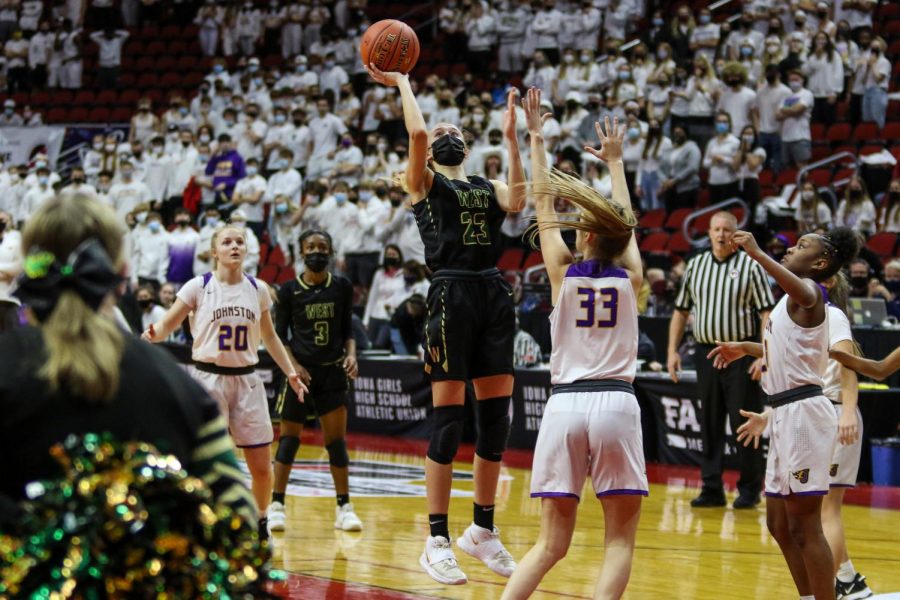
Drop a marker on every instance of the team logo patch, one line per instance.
(802, 475)
(368, 478)
(833, 470)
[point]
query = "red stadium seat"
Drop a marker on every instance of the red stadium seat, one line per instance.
(57, 115)
(84, 97)
(882, 244)
(170, 80)
(121, 115)
(893, 49)
(130, 97)
(155, 48)
(819, 177)
(841, 110)
(188, 63)
(107, 98)
(178, 48)
(891, 132)
(838, 133)
(144, 64)
(677, 218)
(655, 243)
(285, 274)
(99, 114)
(263, 252)
(820, 152)
(268, 273)
(891, 29)
(866, 133)
(61, 98)
(276, 257)
(871, 149)
(79, 114)
(786, 177)
(817, 131)
(534, 259)
(148, 81)
(127, 80)
(888, 11)
(164, 64)
(652, 219)
(678, 244)
(39, 99)
(511, 259)
(766, 177)
(170, 32)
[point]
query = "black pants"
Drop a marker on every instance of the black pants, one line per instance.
(39, 77)
(750, 193)
(725, 191)
(685, 199)
(824, 111)
(854, 114)
(108, 78)
(18, 79)
(361, 268)
(723, 393)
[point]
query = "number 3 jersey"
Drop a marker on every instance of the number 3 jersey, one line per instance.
(594, 325)
(460, 223)
(225, 319)
(315, 321)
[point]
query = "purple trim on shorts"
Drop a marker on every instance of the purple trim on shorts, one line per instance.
(814, 493)
(623, 492)
(842, 485)
(595, 270)
(554, 495)
(251, 446)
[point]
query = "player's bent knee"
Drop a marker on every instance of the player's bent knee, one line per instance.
(493, 428)
(287, 449)
(446, 433)
(337, 454)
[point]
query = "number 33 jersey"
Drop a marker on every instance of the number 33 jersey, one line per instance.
(225, 319)
(594, 325)
(460, 224)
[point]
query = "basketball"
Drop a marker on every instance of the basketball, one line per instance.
(391, 45)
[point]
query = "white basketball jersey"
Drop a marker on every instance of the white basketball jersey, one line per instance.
(594, 325)
(838, 330)
(225, 319)
(794, 356)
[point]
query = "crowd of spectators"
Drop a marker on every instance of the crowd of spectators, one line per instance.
(309, 143)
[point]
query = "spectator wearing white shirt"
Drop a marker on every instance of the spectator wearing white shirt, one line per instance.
(16, 51)
(30, 14)
(78, 184)
(298, 141)
(511, 23)
(151, 253)
(335, 215)
(248, 28)
(129, 192)
(332, 77)
(625, 88)
(822, 22)
(40, 46)
(769, 98)
(249, 195)
(705, 37)
(889, 219)
(151, 312)
(286, 180)
(363, 259)
(856, 210)
(480, 26)
(615, 22)
(748, 162)
(719, 161)
(794, 115)
(10, 267)
(812, 211)
(386, 283)
(157, 167)
(859, 67)
(184, 159)
(35, 197)
(10, 118)
(203, 252)
(71, 64)
(751, 63)
(324, 130)
(447, 111)
(858, 13)
(546, 25)
(110, 59)
(348, 162)
(876, 82)
(589, 21)
(238, 218)
(744, 32)
(649, 177)
(736, 99)
(401, 228)
(825, 73)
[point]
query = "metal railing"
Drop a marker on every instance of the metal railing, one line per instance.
(703, 240)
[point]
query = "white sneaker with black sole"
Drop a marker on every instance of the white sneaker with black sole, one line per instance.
(440, 563)
(485, 545)
(852, 590)
(345, 519)
(275, 516)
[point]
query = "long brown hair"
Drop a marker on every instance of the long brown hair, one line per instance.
(84, 348)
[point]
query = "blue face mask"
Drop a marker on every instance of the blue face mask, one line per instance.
(746, 51)
(212, 221)
(154, 226)
(281, 208)
(340, 197)
(633, 133)
(203, 157)
(251, 171)
(43, 180)
(365, 195)
(657, 22)
(218, 69)
(704, 19)
(301, 69)
(280, 118)
(281, 164)
(722, 128)
(624, 75)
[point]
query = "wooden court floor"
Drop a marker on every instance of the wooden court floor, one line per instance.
(681, 552)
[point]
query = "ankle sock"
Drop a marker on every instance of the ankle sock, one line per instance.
(439, 526)
(484, 516)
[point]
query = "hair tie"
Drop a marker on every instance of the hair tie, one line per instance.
(87, 271)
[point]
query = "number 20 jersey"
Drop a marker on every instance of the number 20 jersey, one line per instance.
(225, 319)
(460, 224)
(594, 325)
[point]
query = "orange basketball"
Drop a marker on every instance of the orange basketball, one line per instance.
(391, 45)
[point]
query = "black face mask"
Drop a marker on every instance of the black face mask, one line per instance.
(2, 226)
(679, 139)
(894, 196)
(145, 303)
(380, 192)
(395, 202)
(771, 79)
(182, 223)
(391, 262)
(448, 151)
(411, 279)
(856, 194)
(859, 282)
(893, 286)
(78, 180)
(316, 261)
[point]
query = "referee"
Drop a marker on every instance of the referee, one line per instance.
(729, 295)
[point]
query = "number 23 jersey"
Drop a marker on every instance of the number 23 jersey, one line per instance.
(594, 325)
(460, 223)
(225, 319)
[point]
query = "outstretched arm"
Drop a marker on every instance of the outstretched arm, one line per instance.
(511, 196)
(158, 332)
(801, 291)
(876, 369)
(611, 153)
(557, 256)
(418, 175)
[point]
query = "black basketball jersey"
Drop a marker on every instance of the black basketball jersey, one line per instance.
(459, 222)
(315, 319)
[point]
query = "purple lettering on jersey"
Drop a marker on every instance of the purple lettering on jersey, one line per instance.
(588, 305)
(595, 270)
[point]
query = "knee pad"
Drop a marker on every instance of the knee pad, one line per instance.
(337, 453)
(287, 449)
(493, 427)
(446, 433)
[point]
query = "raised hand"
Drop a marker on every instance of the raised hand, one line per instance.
(534, 120)
(745, 240)
(610, 141)
(725, 353)
(509, 117)
(389, 78)
(752, 428)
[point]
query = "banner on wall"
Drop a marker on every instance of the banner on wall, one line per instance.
(390, 397)
(19, 145)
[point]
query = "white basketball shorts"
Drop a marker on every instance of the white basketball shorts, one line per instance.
(242, 400)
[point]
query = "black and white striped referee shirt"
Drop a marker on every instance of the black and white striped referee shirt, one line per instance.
(726, 297)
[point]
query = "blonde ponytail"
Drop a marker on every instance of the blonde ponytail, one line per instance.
(83, 348)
